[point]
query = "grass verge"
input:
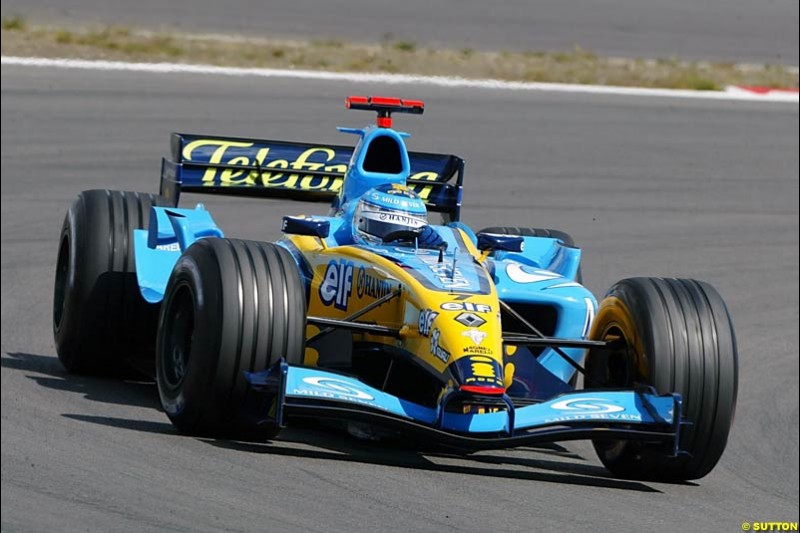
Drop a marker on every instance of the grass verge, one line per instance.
(574, 66)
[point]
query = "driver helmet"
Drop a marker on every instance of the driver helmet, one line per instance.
(385, 209)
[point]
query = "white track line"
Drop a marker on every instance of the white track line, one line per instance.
(396, 79)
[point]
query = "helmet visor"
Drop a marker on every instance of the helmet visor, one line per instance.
(378, 222)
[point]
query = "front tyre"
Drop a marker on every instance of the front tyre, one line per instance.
(231, 306)
(675, 335)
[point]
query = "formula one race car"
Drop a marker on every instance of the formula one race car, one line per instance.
(376, 317)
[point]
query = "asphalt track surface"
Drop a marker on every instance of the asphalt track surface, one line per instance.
(648, 186)
(764, 31)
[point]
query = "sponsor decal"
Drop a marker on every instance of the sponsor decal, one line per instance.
(372, 286)
(388, 197)
(336, 389)
(519, 273)
(471, 320)
(273, 173)
(478, 350)
(436, 350)
(426, 318)
(588, 405)
(226, 152)
(172, 247)
(475, 335)
(337, 284)
(402, 220)
(619, 417)
(447, 277)
(466, 306)
(382, 198)
(591, 409)
(399, 188)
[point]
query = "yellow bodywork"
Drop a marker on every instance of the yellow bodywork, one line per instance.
(436, 342)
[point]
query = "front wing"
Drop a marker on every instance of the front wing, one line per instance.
(285, 390)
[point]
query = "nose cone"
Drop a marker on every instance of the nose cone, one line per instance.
(473, 338)
(479, 374)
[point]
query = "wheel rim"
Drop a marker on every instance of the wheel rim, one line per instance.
(619, 365)
(178, 342)
(626, 362)
(62, 280)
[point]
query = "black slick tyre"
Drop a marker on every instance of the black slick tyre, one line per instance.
(675, 335)
(231, 306)
(99, 318)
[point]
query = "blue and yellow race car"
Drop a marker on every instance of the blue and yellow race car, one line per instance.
(376, 316)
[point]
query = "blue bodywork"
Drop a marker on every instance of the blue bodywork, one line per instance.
(172, 230)
(360, 180)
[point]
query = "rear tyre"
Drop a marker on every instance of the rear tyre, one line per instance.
(231, 306)
(675, 335)
(563, 236)
(99, 318)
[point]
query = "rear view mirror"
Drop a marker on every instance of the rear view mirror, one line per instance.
(505, 243)
(313, 227)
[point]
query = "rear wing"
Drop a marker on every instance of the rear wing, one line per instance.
(296, 171)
